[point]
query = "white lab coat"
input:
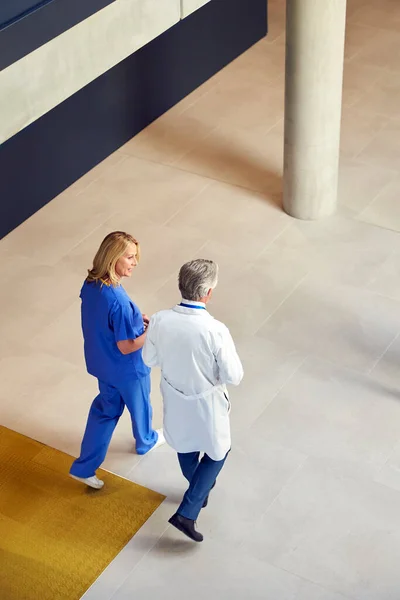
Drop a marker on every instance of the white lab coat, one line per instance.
(198, 359)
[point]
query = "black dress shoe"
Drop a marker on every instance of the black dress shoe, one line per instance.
(186, 526)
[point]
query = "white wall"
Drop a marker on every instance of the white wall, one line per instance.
(189, 6)
(43, 79)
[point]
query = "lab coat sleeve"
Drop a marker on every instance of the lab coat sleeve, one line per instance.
(229, 364)
(149, 353)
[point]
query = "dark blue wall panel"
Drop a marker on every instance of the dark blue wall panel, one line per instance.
(10, 10)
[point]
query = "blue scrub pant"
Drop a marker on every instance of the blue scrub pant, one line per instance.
(201, 476)
(103, 417)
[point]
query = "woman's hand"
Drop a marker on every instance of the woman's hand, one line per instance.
(146, 321)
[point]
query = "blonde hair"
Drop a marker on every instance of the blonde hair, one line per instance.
(111, 249)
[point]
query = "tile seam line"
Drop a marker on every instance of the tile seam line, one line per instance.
(288, 295)
(122, 159)
(377, 361)
(284, 384)
(192, 104)
(173, 163)
(279, 389)
(294, 474)
(382, 227)
(72, 248)
(337, 365)
(317, 584)
(274, 239)
(362, 221)
(221, 125)
(359, 216)
(359, 52)
(289, 480)
(149, 550)
(174, 275)
(125, 579)
(306, 456)
(211, 179)
(370, 141)
(121, 583)
(363, 163)
(207, 184)
(236, 185)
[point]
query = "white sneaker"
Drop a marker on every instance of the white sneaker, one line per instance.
(92, 482)
(160, 441)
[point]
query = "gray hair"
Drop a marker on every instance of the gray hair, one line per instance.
(197, 277)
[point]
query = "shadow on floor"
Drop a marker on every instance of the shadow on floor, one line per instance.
(219, 158)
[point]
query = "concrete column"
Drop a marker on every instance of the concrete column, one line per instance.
(315, 31)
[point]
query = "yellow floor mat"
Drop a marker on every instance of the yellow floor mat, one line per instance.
(57, 535)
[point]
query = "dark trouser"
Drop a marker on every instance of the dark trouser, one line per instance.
(201, 476)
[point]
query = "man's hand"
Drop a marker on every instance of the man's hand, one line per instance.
(146, 321)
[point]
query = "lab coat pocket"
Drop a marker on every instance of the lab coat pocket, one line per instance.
(228, 401)
(222, 405)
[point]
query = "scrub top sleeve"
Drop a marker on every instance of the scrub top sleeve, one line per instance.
(126, 324)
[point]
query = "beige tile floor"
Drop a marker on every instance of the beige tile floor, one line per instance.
(308, 507)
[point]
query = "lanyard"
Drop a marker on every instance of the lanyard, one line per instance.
(192, 306)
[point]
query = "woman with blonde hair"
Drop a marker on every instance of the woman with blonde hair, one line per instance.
(114, 332)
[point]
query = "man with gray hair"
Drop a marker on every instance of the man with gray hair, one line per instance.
(198, 360)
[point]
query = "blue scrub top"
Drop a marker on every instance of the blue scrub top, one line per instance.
(109, 316)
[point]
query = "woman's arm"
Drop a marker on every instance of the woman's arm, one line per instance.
(130, 346)
(127, 324)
